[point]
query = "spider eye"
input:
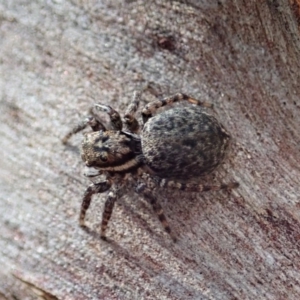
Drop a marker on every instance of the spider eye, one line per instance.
(103, 156)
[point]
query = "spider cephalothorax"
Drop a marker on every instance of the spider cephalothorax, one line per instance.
(112, 151)
(181, 144)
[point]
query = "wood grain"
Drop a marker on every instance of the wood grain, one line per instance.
(59, 57)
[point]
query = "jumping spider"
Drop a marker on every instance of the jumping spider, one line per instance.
(173, 148)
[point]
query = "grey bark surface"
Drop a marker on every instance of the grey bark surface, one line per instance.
(59, 57)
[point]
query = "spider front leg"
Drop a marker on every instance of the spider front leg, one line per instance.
(108, 209)
(114, 116)
(91, 121)
(87, 198)
(151, 107)
(130, 121)
(147, 192)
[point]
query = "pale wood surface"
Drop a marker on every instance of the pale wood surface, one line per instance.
(58, 57)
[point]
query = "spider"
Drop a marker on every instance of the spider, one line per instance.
(172, 149)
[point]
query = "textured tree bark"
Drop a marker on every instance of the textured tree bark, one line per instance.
(59, 57)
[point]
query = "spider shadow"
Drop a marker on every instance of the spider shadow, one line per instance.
(177, 212)
(140, 213)
(95, 234)
(143, 216)
(72, 148)
(185, 211)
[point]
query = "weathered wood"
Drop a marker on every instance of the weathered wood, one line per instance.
(59, 57)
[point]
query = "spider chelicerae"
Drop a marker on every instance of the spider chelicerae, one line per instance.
(170, 150)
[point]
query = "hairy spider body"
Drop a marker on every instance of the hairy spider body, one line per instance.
(183, 143)
(174, 147)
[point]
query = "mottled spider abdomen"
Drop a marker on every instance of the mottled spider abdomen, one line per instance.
(183, 142)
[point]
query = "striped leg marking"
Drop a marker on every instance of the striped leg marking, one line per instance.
(151, 107)
(114, 116)
(146, 192)
(90, 121)
(130, 121)
(87, 198)
(108, 208)
(193, 187)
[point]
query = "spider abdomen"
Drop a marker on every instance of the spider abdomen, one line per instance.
(183, 143)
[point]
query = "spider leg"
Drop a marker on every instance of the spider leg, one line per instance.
(194, 187)
(91, 121)
(114, 116)
(130, 121)
(151, 107)
(87, 197)
(108, 208)
(148, 194)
